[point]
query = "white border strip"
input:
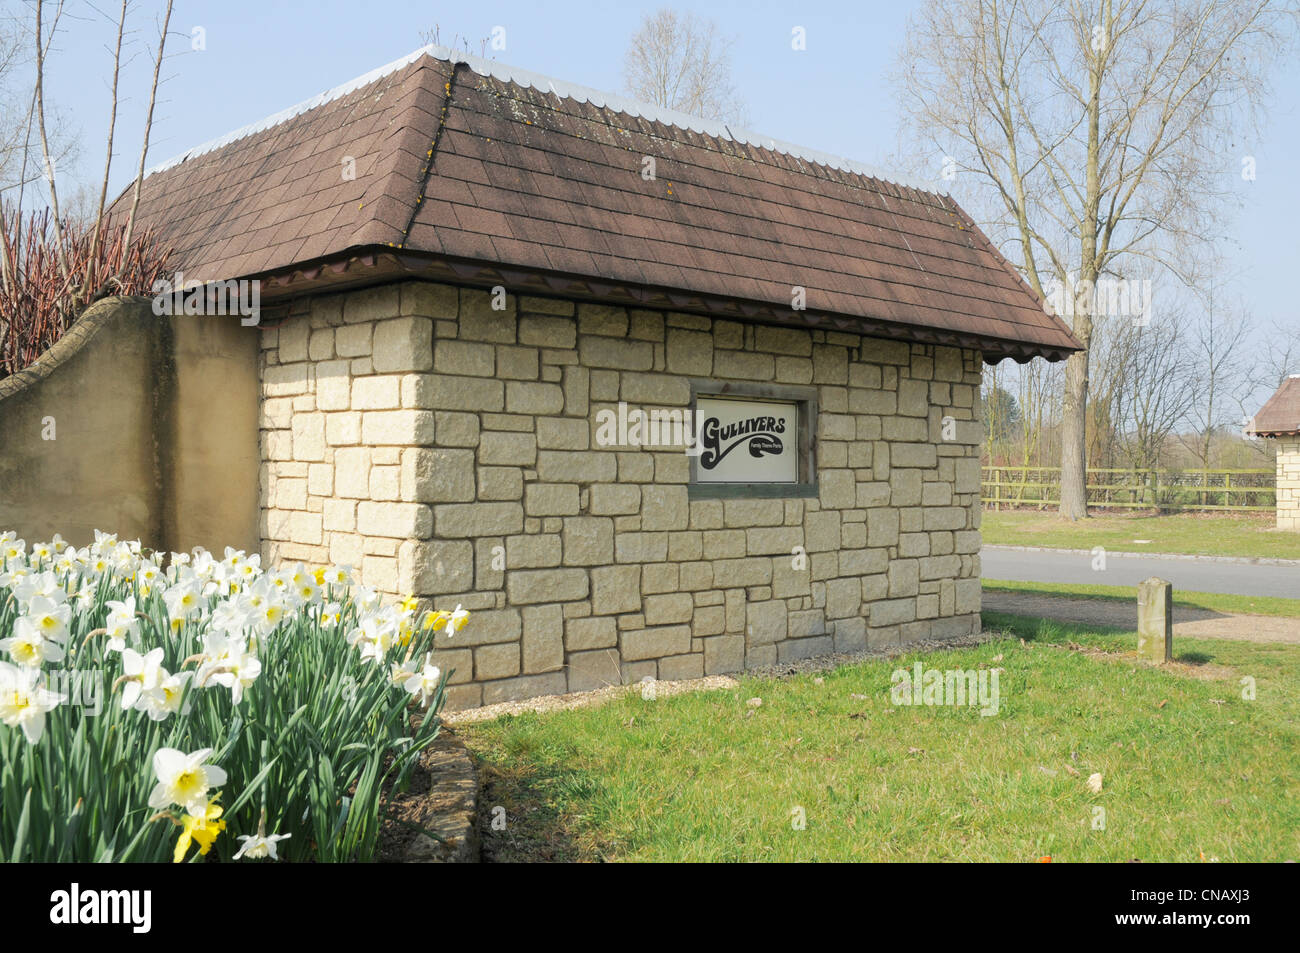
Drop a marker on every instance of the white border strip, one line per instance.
(522, 77)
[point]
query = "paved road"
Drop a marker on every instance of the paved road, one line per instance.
(1189, 575)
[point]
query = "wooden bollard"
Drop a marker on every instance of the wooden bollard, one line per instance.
(1156, 620)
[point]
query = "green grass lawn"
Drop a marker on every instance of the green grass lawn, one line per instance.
(1213, 601)
(1192, 533)
(1189, 767)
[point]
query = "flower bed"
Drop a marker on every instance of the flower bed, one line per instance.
(163, 709)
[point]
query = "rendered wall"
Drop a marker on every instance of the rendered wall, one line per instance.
(154, 425)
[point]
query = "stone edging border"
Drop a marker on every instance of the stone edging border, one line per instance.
(1246, 560)
(453, 799)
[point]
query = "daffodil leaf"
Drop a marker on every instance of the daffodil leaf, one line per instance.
(20, 835)
(252, 787)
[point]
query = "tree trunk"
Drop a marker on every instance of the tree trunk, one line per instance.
(1074, 438)
(1074, 412)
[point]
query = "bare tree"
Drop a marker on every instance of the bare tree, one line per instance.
(148, 122)
(1096, 132)
(1219, 367)
(1154, 390)
(55, 261)
(86, 285)
(1282, 357)
(681, 62)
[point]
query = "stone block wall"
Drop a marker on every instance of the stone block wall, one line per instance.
(448, 450)
(1288, 483)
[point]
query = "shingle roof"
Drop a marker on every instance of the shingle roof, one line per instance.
(1280, 415)
(463, 159)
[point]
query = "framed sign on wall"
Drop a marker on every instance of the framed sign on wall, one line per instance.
(752, 440)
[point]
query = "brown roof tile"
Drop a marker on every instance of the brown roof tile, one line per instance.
(1280, 416)
(523, 177)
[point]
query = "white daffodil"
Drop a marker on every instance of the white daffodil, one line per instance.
(166, 697)
(259, 845)
(269, 615)
(142, 673)
(122, 624)
(236, 672)
(184, 779)
(204, 565)
(400, 673)
(23, 702)
(147, 574)
(338, 576)
(366, 598)
(301, 576)
(456, 621)
(183, 600)
(103, 542)
(232, 617)
(123, 561)
(28, 647)
(374, 637)
(50, 619)
(330, 615)
(218, 648)
(308, 593)
(96, 563)
(13, 548)
(85, 596)
(450, 622)
(248, 568)
(425, 681)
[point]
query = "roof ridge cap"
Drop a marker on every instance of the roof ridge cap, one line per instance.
(565, 90)
(291, 112)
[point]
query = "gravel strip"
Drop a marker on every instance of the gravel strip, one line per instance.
(600, 696)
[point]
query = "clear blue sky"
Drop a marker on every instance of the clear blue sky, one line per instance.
(261, 57)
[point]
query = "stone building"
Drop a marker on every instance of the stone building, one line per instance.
(1279, 418)
(473, 279)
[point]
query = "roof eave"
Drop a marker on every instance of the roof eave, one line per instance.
(368, 265)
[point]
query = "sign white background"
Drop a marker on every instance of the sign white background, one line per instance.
(738, 464)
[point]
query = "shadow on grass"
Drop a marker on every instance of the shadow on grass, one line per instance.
(1067, 607)
(518, 820)
(1038, 629)
(1106, 637)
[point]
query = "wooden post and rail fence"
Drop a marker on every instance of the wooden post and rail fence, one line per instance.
(1238, 491)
